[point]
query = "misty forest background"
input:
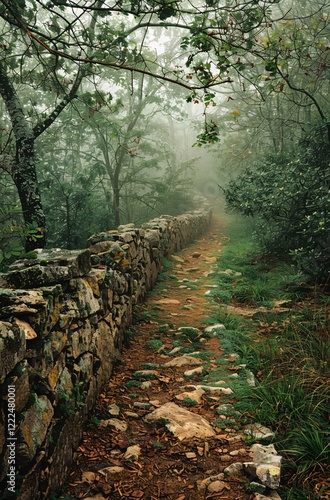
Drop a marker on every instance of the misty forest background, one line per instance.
(115, 112)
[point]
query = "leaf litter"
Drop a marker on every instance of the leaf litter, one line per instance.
(165, 468)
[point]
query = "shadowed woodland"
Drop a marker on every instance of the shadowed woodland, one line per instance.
(118, 111)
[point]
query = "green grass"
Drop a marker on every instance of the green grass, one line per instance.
(187, 401)
(154, 344)
(289, 353)
(189, 332)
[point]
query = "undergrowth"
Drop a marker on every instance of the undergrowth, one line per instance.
(288, 351)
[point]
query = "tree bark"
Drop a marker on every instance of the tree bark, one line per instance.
(23, 169)
(115, 205)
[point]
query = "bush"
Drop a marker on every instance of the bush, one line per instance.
(13, 233)
(290, 202)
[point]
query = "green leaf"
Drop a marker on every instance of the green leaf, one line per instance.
(166, 12)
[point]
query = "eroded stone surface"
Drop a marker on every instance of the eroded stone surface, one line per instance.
(183, 361)
(12, 347)
(33, 429)
(266, 465)
(49, 267)
(259, 431)
(195, 395)
(182, 423)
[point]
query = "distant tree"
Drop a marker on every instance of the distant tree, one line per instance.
(49, 49)
(280, 93)
(106, 162)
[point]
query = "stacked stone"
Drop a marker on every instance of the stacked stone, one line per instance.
(63, 318)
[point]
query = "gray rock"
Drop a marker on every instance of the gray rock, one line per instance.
(273, 495)
(182, 423)
(195, 371)
(214, 328)
(266, 465)
(234, 469)
(132, 452)
(83, 296)
(142, 406)
(258, 431)
(195, 395)
(216, 389)
(204, 484)
(81, 340)
(114, 410)
(33, 429)
(146, 385)
(15, 302)
(251, 380)
(12, 347)
(49, 268)
(262, 453)
(268, 474)
(119, 425)
(217, 486)
(183, 360)
(115, 469)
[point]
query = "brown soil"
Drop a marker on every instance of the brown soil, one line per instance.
(163, 469)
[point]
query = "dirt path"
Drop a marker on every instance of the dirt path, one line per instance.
(162, 466)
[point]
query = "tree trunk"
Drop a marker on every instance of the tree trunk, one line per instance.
(25, 179)
(23, 168)
(115, 205)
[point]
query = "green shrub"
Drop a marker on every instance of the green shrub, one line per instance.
(13, 234)
(290, 201)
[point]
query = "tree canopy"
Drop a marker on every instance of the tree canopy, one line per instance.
(65, 53)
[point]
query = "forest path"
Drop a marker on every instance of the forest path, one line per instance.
(123, 456)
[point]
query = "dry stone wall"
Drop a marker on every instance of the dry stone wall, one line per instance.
(63, 318)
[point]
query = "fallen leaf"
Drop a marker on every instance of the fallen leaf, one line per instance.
(89, 477)
(137, 494)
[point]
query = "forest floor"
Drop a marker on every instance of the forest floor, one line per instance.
(163, 467)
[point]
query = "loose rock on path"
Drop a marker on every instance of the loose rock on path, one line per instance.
(155, 433)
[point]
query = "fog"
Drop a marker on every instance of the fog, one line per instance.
(114, 114)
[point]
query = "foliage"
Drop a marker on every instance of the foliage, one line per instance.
(70, 402)
(290, 202)
(310, 448)
(289, 356)
(154, 344)
(187, 401)
(12, 235)
(84, 59)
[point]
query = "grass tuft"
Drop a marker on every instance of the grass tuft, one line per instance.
(288, 354)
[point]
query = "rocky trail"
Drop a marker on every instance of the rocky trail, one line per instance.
(156, 432)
